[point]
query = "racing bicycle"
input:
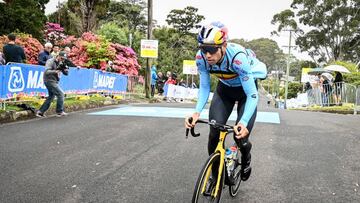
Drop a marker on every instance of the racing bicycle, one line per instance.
(208, 186)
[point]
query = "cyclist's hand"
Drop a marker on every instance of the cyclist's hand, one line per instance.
(243, 131)
(195, 117)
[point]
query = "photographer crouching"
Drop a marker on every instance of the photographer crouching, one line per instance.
(55, 66)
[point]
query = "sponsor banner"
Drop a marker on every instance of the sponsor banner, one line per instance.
(179, 92)
(28, 79)
(189, 67)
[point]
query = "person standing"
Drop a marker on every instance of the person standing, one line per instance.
(12, 52)
(45, 54)
(55, 66)
(153, 80)
(55, 51)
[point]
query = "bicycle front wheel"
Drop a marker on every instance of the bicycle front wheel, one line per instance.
(204, 183)
(233, 189)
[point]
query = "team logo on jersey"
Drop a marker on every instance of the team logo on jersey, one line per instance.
(253, 96)
(246, 78)
(198, 64)
(237, 62)
(198, 56)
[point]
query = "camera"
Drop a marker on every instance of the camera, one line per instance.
(63, 68)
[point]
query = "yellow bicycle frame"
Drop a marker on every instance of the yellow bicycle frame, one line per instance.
(221, 150)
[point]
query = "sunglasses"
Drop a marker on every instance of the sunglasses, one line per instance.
(210, 49)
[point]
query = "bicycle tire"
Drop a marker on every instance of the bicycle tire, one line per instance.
(200, 181)
(234, 189)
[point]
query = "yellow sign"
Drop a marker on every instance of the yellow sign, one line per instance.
(149, 48)
(189, 67)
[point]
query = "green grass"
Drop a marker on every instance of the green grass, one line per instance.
(345, 108)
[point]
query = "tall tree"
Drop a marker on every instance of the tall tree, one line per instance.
(26, 16)
(333, 27)
(89, 11)
(174, 48)
(128, 14)
(184, 20)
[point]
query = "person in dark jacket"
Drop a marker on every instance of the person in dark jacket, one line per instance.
(55, 66)
(45, 54)
(13, 52)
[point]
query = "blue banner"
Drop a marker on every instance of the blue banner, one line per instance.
(28, 79)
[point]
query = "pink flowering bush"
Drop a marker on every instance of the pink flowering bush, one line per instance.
(92, 51)
(31, 46)
(54, 33)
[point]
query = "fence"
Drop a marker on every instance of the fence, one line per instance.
(27, 79)
(334, 94)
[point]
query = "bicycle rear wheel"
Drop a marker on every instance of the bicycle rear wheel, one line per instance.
(233, 189)
(198, 196)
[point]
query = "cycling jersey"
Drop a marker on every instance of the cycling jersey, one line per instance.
(234, 70)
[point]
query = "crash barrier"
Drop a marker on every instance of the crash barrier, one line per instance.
(331, 94)
(27, 79)
(334, 94)
(357, 101)
(182, 93)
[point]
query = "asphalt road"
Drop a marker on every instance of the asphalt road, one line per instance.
(308, 157)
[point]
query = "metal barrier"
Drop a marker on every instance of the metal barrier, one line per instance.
(331, 94)
(357, 101)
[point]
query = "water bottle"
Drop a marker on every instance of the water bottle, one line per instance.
(229, 161)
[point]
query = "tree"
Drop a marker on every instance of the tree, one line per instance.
(68, 20)
(333, 27)
(173, 49)
(24, 16)
(184, 20)
(267, 51)
(129, 14)
(114, 33)
(89, 11)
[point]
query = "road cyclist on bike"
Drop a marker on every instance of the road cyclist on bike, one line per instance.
(237, 69)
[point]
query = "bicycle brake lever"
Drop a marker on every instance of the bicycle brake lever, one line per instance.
(193, 133)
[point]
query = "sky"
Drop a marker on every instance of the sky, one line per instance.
(249, 19)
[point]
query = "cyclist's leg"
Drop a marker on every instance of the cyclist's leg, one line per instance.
(244, 144)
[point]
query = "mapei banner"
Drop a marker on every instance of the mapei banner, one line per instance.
(28, 79)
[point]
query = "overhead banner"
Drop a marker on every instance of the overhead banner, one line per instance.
(189, 67)
(149, 48)
(28, 79)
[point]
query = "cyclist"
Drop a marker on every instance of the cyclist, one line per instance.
(233, 65)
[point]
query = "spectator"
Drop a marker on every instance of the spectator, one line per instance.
(160, 83)
(2, 59)
(153, 79)
(338, 84)
(182, 83)
(13, 52)
(55, 67)
(171, 80)
(55, 51)
(326, 90)
(67, 61)
(45, 54)
(168, 75)
(109, 67)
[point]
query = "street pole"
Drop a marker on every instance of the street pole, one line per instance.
(287, 70)
(149, 33)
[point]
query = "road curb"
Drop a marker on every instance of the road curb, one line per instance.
(12, 116)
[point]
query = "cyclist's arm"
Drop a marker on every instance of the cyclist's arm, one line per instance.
(204, 88)
(242, 66)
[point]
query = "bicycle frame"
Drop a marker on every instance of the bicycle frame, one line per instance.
(221, 150)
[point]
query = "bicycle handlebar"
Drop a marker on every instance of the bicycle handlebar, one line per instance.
(212, 123)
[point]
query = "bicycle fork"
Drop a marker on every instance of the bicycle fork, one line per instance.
(219, 149)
